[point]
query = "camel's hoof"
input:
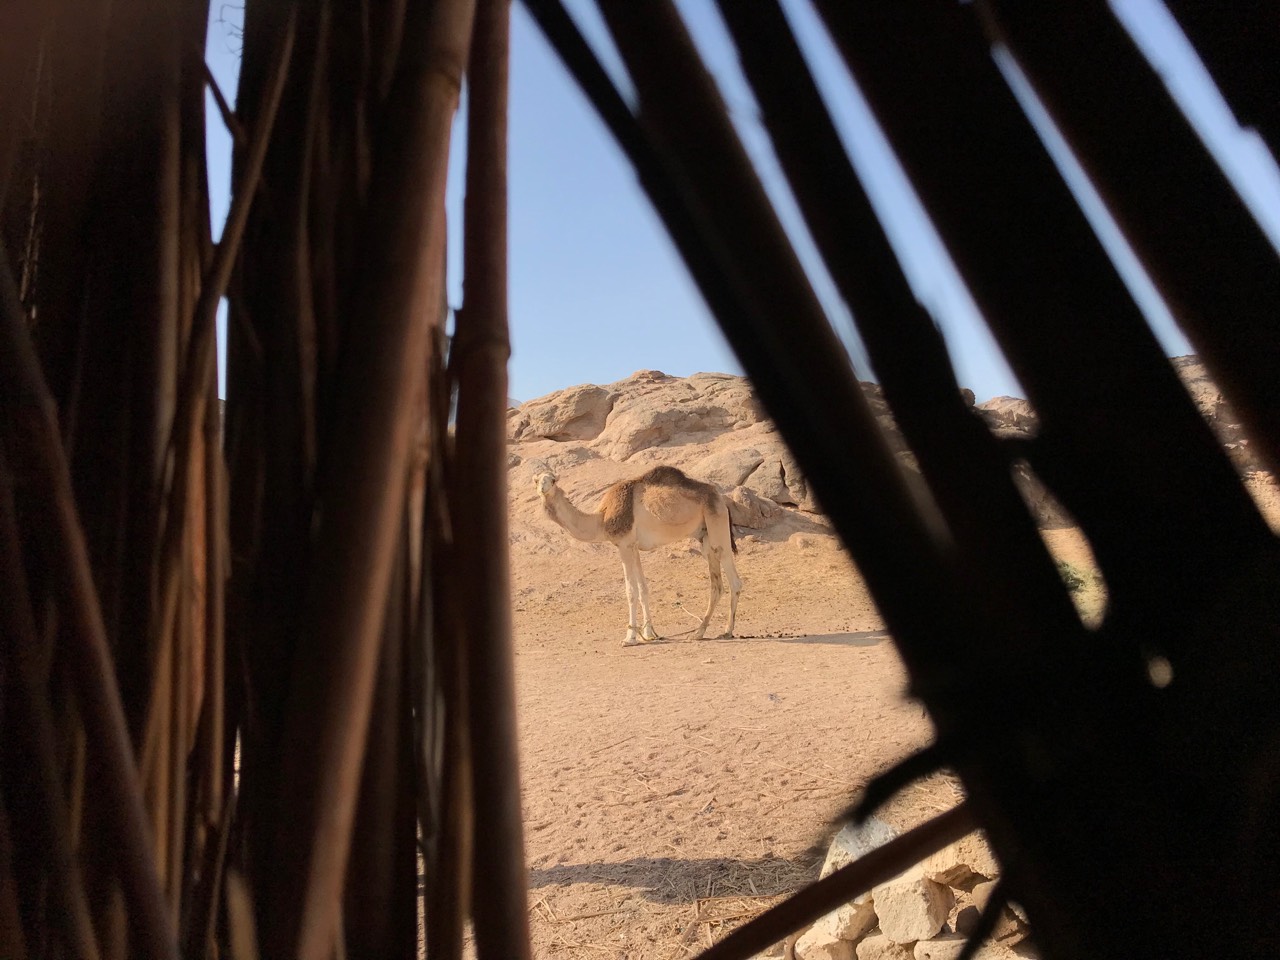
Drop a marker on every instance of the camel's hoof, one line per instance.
(726, 636)
(632, 642)
(649, 634)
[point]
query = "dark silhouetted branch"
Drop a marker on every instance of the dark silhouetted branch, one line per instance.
(1206, 253)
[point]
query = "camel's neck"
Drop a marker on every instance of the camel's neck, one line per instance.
(581, 526)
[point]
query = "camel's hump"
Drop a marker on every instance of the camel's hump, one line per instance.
(618, 506)
(665, 476)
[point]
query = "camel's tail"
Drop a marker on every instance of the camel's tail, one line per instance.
(733, 543)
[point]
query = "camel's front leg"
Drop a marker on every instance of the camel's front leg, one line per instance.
(636, 575)
(629, 579)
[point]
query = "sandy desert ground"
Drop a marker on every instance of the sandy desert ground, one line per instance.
(676, 789)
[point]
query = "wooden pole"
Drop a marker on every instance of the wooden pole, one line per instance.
(482, 348)
(360, 498)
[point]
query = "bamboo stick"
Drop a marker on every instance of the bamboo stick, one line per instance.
(23, 28)
(862, 491)
(213, 791)
(1237, 50)
(1007, 569)
(361, 495)
(179, 747)
(197, 378)
(31, 719)
(450, 864)
(156, 770)
(1032, 262)
(214, 880)
(799, 367)
(444, 754)
(378, 890)
(12, 940)
(139, 190)
(74, 51)
(28, 408)
(197, 383)
(479, 362)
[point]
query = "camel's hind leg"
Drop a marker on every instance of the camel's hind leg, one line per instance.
(718, 546)
(713, 577)
(735, 588)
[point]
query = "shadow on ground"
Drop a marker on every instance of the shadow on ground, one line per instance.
(861, 638)
(669, 880)
(791, 522)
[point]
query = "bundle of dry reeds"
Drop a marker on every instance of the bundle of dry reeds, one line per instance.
(254, 682)
(241, 697)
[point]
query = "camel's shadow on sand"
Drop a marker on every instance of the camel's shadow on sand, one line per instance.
(861, 638)
(669, 880)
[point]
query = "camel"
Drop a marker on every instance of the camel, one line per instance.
(657, 508)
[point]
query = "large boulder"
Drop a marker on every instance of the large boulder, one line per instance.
(653, 410)
(797, 485)
(1213, 406)
(769, 480)
(727, 468)
(578, 413)
(1009, 416)
(749, 509)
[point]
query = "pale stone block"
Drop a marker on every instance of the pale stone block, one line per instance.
(962, 864)
(850, 922)
(856, 840)
(879, 947)
(912, 907)
(945, 947)
(1009, 925)
(967, 919)
(949, 946)
(817, 943)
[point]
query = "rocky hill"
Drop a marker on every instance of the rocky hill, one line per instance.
(713, 427)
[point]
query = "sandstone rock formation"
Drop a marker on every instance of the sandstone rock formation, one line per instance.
(710, 425)
(713, 427)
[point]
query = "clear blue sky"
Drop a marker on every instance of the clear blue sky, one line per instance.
(597, 291)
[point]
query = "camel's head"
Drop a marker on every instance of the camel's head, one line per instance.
(545, 482)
